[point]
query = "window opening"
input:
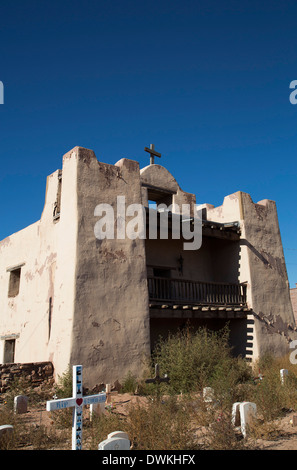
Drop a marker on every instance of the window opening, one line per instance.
(14, 282)
(57, 205)
(9, 349)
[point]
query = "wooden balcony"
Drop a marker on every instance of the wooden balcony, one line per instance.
(170, 291)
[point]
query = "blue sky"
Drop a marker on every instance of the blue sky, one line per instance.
(206, 81)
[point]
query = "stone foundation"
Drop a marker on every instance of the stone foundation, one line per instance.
(35, 373)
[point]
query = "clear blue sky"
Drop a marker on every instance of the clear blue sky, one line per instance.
(206, 81)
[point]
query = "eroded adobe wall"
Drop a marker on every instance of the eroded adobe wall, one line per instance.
(24, 313)
(39, 317)
(274, 318)
(262, 266)
(111, 321)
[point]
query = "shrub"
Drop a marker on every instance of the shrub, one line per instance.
(272, 397)
(222, 434)
(63, 389)
(194, 360)
(227, 379)
(100, 426)
(129, 383)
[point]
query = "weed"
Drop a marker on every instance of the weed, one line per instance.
(98, 429)
(161, 425)
(129, 383)
(194, 360)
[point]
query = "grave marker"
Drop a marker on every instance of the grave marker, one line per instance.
(121, 434)
(77, 401)
(6, 430)
(243, 414)
(236, 414)
(115, 443)
(208, 394)
(20, 404)
(293, 421)
(157, 379)
(283, 374)
(96, 409)
(248, 412)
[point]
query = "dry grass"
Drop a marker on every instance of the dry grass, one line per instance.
(165, 418)
(28, 435)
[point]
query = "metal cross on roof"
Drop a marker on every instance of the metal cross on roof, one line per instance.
(152, 153)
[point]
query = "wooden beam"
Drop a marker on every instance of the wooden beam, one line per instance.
(152, 152)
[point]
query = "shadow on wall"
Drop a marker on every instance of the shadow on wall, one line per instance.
(241, 331)
(259, 255)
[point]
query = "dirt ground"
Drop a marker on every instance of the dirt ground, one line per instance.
(283, 437)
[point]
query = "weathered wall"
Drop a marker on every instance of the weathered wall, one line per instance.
(25, 316)
(268, 276)
(262, 266)
(215, 261)
(159, 177)
(18, 317)
(111, 319)
(40, 316)
(63, 286)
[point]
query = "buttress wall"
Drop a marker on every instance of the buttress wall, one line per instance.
(111, 317)
(263, 268)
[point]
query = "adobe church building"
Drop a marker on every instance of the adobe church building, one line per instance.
(71, 298)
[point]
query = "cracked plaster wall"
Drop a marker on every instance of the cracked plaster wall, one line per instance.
(111, 318)
(262, 266)
(40, 316)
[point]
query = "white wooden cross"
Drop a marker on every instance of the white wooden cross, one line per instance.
(77, 401)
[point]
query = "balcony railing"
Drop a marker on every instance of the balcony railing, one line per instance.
(177, 291)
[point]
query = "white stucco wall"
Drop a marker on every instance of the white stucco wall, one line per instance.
(47, 252)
